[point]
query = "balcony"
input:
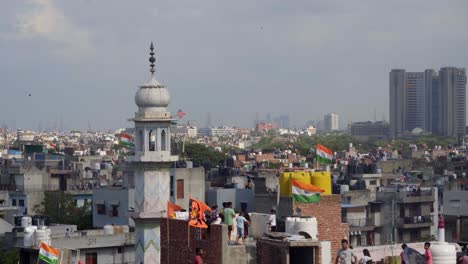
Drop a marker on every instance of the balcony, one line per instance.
(417, 197)
(416, 221)
(360, 224)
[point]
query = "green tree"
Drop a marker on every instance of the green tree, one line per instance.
(61, 208)
(202, 154)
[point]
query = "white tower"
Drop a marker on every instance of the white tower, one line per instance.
(151, 164)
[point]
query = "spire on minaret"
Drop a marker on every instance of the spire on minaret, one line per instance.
(152, 59)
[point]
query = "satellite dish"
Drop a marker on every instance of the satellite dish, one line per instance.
(416, 131)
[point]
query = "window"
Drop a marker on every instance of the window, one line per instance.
(13, 202)
(21, 202)
(180, 189)
(114, 212)
(101, 209)
(140, 141)
(163, 140)
(91, 258)
(172, 185)
(120, 250)
(373, 182)
(152, 140)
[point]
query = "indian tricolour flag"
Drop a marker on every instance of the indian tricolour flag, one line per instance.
(324, 154)
(126, 139)
(48, 254)
(305, 192)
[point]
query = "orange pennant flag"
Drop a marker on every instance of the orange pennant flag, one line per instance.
(197, 209)
(171, 208)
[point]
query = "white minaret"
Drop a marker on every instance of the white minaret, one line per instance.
(151, 164)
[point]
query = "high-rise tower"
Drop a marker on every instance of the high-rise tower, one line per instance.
(151, 164)
(453, 101)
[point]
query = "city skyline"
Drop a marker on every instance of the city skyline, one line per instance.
(72, 62)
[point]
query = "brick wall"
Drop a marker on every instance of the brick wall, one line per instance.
(177, 250)
(270, 254)
(328, 214)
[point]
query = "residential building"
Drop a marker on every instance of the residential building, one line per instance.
(331, 122)
(404, 216)
(111, 205)
(370, 130)
(455, 210)
(265, 127)
(216, 131)
(186, 183)
(95, 246)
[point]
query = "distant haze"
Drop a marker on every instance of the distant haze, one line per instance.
(81, 61)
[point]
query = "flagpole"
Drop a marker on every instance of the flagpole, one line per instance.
(61, 256)
(168, 243)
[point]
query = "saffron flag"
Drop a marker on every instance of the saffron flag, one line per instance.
(48, 254)
(324, 154)
(171, 208)
(126, 140)
(197, 209)
(305, 192)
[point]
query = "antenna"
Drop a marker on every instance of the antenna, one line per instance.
(375, 115)
(5, 137)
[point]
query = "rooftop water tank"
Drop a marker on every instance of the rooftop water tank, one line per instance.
(26, 221)
(118, 230)
(344, 188)
(29, 236)
(298, 225)
(42, 234)
(322, 180)
(125, 228)
(443, 252)
(108, 230)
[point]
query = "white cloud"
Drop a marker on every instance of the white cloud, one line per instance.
(46, 21)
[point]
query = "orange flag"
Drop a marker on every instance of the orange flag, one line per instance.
(197, 209)
(171, 208)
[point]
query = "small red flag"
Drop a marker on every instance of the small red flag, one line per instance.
(180, 113)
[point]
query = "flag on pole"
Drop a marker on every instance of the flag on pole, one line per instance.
(180, 113)
(48, 254)
(171, 208)
(114, 164)
(305, 192)
(126, 140)
(53, 146)
(324, 154)
(197, 209)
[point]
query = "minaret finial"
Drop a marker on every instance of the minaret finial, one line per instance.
(152, 60)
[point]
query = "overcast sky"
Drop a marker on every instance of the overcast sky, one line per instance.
(83, 60)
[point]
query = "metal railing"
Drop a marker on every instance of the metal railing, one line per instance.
(419, 219)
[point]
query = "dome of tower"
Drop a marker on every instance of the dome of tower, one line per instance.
(152, 96)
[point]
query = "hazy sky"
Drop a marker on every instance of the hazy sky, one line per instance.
(82, 60)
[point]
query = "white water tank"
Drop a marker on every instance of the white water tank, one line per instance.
(126, 228)
(443, 253)
(296, 225)
(42, 234)
(26, 221)
(97, 166)
(29, 236)
(344, 188)
(108, 230)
